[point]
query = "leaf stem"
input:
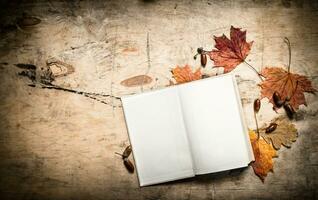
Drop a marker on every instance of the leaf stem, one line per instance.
(118, 153)
(258, 74)
(286, 40)
(257, 129)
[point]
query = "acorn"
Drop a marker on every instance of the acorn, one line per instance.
(277, 100)
(127, 152)
(203, 60)
(257, 105)
(272, 127)
(289, 110)
(129, 166)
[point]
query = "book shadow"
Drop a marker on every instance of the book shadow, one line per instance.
(220, 176)
(230, 175)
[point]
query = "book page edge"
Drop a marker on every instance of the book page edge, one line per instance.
(247, 138)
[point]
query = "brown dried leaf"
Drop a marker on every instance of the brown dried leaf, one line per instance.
(285, 133)
(136, 81)
(263, 153)
(185, 74)
(287, 85)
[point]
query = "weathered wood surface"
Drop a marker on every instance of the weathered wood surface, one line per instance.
(57, 144)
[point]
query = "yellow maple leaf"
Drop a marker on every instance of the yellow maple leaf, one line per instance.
(185, 74)
(263, 153)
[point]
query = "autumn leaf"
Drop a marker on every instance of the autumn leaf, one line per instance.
(288, 85)
(185, 74)
(285, 133)
(230, 52)
(263, 153)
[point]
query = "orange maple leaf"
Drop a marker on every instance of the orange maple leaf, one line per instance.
(263, 153)
(185, 74)
(230, 52)
(287, 85)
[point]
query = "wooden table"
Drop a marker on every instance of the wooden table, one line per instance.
(59, 144)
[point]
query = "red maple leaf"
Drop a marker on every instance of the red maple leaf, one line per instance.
(287, 85)
(230, 52)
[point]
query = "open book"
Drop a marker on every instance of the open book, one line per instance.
(188, 129)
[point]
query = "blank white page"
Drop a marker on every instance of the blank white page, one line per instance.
(213, 117)
(158, 136)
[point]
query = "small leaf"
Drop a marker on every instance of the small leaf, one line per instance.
(185, 74)
(136, 81)
(263, 153)
(285, 133)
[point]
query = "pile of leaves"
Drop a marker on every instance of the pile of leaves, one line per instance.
(282, 88)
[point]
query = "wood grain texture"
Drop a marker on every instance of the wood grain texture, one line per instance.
(57, 144)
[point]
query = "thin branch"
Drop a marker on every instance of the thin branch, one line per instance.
(286, 40)
(258, 74)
